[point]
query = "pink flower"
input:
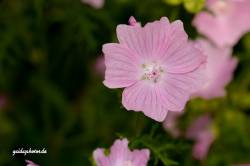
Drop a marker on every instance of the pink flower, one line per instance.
(121, 155)
(94, 3)
(100, 66)
(198, 126)
(225, 22)
(30, 163)
(156, 65)
(200, 131)
(202, 145)
(220, 69)
(170, 124)
(3, 101)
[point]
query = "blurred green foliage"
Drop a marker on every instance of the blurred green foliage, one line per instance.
(192, 6)
(58, 102)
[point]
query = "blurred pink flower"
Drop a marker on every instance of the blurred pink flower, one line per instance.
(100, 66)
(225, 22)
(202, 145)
(30, 163)
(121, 155)
(220, 69)
(156, 65)
(200, 131)
(3, 101)
(198, 126)
(94, 3)
(170, 124)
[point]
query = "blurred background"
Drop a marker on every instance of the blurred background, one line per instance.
(52, 96)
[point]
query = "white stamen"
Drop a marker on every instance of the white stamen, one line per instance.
(152, 72)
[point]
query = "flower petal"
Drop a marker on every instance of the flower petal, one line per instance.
(228, 27)
(170, 124)
(181, 56)
(120, 66)
(202, 145)
(219, 70)
(132, 38)
(177, 32)
(153, 39)
(177, 88)
(119, 151)
(156, 37)
(176, 37)
(140, 157)
(144, 97)
(148, 41)
(200, 124)
(218, 34)
(184, 60)
(100, 158)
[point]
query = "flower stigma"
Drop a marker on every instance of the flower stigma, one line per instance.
(152, 72)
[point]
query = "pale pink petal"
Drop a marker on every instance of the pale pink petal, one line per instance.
(120, 151)
(132, 38)
(170, 124)
(184, 60)
(219, 71)
(200, 131)
(210, 3)
(243, 6)
(176, 88)
(121, 69)
(140, 157)
(216, 86)
(198, 126)
(30, 163)
(176, 38)
(145, 98)
(177, 34)
(202, 146)
(121, 155)
(148, 42)
(100, 158)
(156, 37)
(219, 34)
(240, 15)
(229, 19)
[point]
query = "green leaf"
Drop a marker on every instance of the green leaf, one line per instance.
(194, 6)
(173, 2)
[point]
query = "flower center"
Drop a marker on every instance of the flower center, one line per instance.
(152, 72)
(221, 7)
